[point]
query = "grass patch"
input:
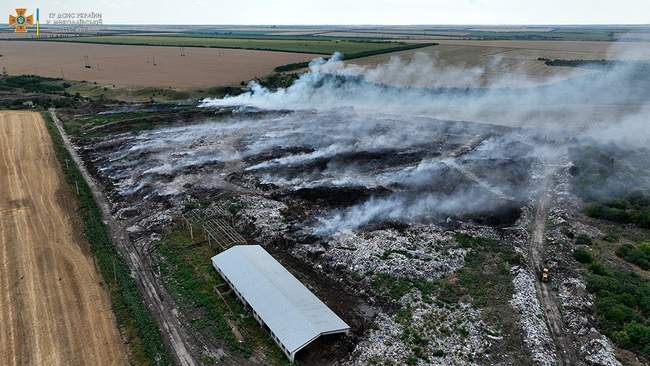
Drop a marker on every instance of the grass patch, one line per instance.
(394, 288)
(484, 278)
(190, 277)
(485, 281)
(132, 315)
(94, 126)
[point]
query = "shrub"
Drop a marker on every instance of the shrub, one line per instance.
(639, 255)
(583, 239)
(583, 255)
(438, 353)
(622, 307)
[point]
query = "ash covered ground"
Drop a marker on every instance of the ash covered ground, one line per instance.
(385, 206)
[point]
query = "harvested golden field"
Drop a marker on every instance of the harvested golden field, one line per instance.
(514, 60)
(53, 310)
(132, 66)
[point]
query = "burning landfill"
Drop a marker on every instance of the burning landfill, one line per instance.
(362, 179)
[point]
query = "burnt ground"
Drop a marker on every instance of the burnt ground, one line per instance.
(339, 198)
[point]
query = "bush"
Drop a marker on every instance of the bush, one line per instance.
(438, 353)
(583, 255)
(32, 83)
(291, 67)
(599, 269)
(639, 255)
(622, 307)
(621, 211)
(275, 81)
(583, 240)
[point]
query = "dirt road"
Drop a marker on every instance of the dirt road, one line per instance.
(53, 310)
(566, 353)
(161, 303)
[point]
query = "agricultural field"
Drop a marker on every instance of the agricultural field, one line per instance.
(548, 33)
(478, 34)
(314, 46)
(54, 308)
(514, 63)
(141, 66)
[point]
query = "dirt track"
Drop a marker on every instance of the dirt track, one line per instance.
(162, 304)
(566, 353)
(53, 310)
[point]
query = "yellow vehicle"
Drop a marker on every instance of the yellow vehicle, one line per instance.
(545, 275)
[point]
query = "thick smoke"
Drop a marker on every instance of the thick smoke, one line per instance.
(584, 98)
(452, 144)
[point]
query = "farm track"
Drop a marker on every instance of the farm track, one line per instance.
(162, 304)
(565, 350)
(53, 310)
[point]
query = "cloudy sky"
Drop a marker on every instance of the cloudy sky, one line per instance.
(350, 11)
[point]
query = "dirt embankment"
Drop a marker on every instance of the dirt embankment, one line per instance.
(53, 310)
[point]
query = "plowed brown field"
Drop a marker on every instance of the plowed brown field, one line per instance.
(140, 66)
(53, 310)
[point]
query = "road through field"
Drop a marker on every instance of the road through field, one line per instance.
(53, 310)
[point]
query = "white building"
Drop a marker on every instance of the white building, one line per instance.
(294, 316)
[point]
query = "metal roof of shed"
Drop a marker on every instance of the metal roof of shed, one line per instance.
(293, 313)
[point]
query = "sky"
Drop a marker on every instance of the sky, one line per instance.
(350, 12)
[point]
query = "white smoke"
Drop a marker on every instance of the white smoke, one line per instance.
(425, 86)
(610, 105)
(427, 150)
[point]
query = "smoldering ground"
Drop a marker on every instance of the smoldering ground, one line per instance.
(418, 169)
(471, 151)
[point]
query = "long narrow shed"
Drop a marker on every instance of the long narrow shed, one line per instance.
(293, 314)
